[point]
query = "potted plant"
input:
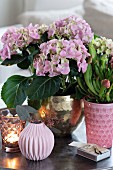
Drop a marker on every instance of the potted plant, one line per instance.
(56, 54)
(96, 86)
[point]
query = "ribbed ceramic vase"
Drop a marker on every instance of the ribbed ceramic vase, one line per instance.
(36, 141)
(99, 123)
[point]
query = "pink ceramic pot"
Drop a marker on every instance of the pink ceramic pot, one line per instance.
(36, 141)
(99, 123)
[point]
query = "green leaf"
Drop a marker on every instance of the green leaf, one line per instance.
(102, 91)
(35, 103)
(24, 64)
(73, 68)
(43, 87)
(13, 91)
(23, 113)
(96, 36)
(88, 79)
(15, 59)
(30, 57)
(44, 37)
(28, 60)
(92, 51)
(79, 93)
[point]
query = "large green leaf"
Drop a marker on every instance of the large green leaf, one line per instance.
(13, 91)
(43, 87)
(15, 59)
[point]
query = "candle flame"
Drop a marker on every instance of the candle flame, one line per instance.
(42, 112)
(12, 137)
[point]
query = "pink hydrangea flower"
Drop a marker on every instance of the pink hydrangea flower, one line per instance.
(5, 52)
(71, 28)
(15, 39)
(55, 56)
(33, 31)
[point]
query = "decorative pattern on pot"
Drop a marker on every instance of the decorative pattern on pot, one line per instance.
(99, 123)
(36, 141)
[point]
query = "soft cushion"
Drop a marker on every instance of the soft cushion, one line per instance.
(47, 17)
(99, 14)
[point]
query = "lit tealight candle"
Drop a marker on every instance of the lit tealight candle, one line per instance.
(10, 130)
(12, 137)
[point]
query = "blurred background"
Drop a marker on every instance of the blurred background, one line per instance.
(98, 13)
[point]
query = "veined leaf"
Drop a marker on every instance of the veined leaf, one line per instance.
(15, 59)
(13, 91)
(43, 87)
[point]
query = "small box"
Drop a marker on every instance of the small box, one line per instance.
(91, 151)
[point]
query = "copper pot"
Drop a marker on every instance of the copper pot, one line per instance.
(62, 114)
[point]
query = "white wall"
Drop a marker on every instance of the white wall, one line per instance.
(40, 5)
(9, 10)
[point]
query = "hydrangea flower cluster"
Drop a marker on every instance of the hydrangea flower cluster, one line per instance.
(55, 56)
(104, 46)
(71, 28)
(17, 38)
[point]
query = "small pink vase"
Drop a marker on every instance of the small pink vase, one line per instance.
(99, 123)
(36, 141)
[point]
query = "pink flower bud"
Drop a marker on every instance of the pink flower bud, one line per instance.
(106, 83)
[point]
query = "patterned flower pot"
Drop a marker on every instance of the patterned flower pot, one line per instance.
(36, 141)
(99, 123)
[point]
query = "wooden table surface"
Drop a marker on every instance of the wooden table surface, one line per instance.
(63, 157)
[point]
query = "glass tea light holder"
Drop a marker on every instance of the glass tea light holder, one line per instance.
(10, 129)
